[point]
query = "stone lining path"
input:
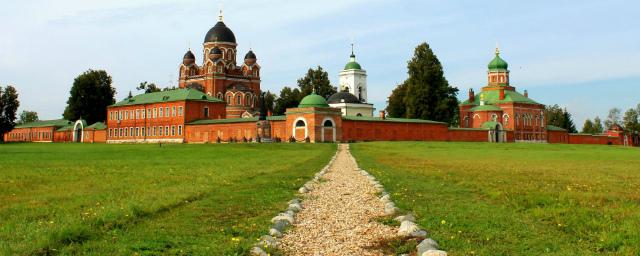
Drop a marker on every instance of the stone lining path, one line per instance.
(339, 214)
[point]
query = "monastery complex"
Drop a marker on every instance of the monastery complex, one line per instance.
(218, 100)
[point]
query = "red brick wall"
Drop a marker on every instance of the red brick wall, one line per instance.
(209, 133)
(94, 136)
(392, 131)
(593, 139)
(557, 137)
(35, 134)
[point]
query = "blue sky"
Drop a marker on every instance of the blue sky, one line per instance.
(583, 55)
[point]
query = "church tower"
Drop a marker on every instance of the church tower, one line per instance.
(354, 79)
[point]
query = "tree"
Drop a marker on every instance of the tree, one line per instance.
(631, 121)
(597, 126)
(613, 118)
(426, 93)
(568, 122)
(318, 79)
(396, 106)
(27, 117)
(588, 126)
(289, 98)
(8, 107)
(89, 97)
(554, 115)
(269, 100)
(148, 87)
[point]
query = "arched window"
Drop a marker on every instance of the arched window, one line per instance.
(358, 114)
(206, 112)
(238, 100)
(248, 100)
(505, 119)
(300, 123)
(219, 95)
(327, 123)
(494, 117)
(229, 99)
(466, 122)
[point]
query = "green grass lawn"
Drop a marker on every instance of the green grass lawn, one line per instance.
(145, 199)
(515, 199)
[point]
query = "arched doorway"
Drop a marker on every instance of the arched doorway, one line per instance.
(300, 131)
(328, 130)
(78, 131)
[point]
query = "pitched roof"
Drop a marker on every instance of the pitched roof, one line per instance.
(96, 126)
(486, 108)
(489, 125)
(45, 123)
(555, 128)
(186, 94)
(493, 97)
(236, 120)
(388, 119)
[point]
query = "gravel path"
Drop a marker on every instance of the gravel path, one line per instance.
(339, 214)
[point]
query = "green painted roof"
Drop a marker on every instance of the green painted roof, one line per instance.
(492, 98)
(555, 128)
(236, 120)
(352, 64)
(45, 123)
(96, 126)
(486, 108)
(313, 100)
(498, 64)
(389, 119)
(168, 96)
(66, 128)
(489, 125)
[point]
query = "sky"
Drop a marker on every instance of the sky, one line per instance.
(582, 55)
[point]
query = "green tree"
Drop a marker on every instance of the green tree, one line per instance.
(396, 106)
(27, 117)
(148, 87)
(631, 121)
(613, 118)
(588, 126)
(427, 94)
(568, 122)
(554, 115)
(89, 97)
(598, 128)
(8, 108)
(318, 79)
(269, 101)
(289, 98)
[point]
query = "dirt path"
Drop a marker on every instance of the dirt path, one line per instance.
(339, 214)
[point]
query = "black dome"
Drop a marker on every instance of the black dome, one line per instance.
(343, 97)
(189, 55)
(220, 33)
(250, 55)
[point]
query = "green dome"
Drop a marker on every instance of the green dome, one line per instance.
(498, 63)
(352, 63)
(313, 100)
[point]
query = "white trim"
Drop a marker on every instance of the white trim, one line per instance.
(81, 131)
(333, 126)
(306, 127)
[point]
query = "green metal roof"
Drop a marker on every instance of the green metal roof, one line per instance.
(389, 119)
(96, 126)
(486, 108)
(66, 128)
(555, 128)
(45, 123)
(489, 125)
(353, 65)
(313, 100)
(493, 97)
(236, 120)
(498, 64)
(168, 96)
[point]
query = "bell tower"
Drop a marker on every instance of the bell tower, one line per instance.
(354, 79)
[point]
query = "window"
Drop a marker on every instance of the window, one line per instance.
(142, 113)
(131, 131)
(328, 123)
(159, 130)
(166, 112)
(173, 130)
(248, 100)
(166, 130)
(149, 113)
(142, 132)
(137, 131)
(110, 132)
(155, 112)
(154, 131)
(238, 99)
(126, 115)
(229, 100)
(126, 132)
(137, 114)
(173, 111)
(179, 129)
(159, 112)
(206, 112)
(180, 111)
(300, 123)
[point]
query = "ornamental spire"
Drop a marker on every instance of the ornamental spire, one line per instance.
(497, 49)
(220, 16)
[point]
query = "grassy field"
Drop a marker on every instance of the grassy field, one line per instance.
(145, 199)
(515, 199)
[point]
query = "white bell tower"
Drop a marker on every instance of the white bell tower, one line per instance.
(354, 78)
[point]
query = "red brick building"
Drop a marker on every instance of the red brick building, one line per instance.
(59, 130)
